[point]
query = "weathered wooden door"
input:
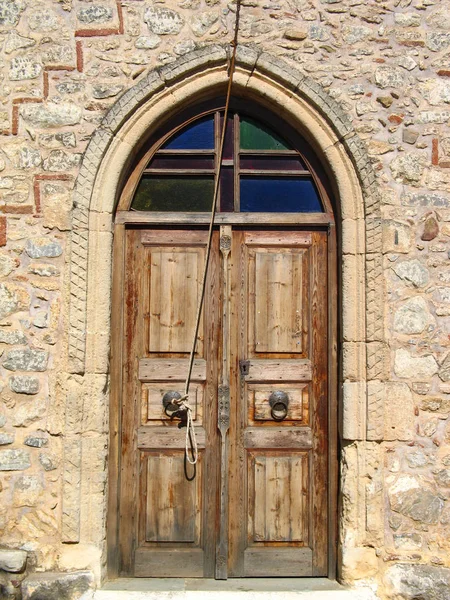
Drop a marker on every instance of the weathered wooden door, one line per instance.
(258, 505)
(278, 434)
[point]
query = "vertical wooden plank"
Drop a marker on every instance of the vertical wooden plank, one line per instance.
(333, 466)
(154, 274)
(114, 411)
(223, 415)
(297, 302)
(261, 300)
(296, 495)
(238, 501)
(319, 335)
(258, 497)
(210, 483)
(130, 411)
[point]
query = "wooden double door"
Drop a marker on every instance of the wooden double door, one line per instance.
(258, 505)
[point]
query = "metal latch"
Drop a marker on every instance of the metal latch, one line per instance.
(244, 367)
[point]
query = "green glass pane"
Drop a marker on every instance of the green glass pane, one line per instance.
(178, 194)
(254, 136)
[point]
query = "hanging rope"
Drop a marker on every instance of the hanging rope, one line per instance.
(191, 450)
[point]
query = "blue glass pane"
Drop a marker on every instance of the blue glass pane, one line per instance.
(279, 194)
(197, 136)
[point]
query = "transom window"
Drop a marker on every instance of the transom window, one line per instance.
(261, 170)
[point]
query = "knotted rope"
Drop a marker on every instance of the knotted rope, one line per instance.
(183, 402)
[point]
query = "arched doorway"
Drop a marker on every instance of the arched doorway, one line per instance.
(264, 500)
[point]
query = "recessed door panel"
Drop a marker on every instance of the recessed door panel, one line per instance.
(173, 502)
(278, 494)
(275, 281)
(174, 281)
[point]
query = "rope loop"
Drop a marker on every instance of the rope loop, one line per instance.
(191, 441)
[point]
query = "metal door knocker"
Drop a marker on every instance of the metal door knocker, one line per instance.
(279, 402)
(172, 409)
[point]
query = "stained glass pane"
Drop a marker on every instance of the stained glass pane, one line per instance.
(255, 136)
(227, 189)
(197, 136)
(228, 147)
(174, 193)
(177, 161)
(278, 194)
(270, 162)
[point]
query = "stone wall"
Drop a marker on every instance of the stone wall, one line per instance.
(65, 64)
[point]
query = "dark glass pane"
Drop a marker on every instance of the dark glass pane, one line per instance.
(275, 163)
(228, 146)
(174, 193)
(197, 136)
(279, 194)
(255, 136)
(191, 161)
(227, 189)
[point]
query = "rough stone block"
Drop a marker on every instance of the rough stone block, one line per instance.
(13, 561)
(23, 384)
(6, 438)
(14, 460)
(50, 114)
(409, 497)
(414, 367)
(43, 247)
(58, 586)
(397, 237)
(26, 360)
(417, 582)
(359, 563)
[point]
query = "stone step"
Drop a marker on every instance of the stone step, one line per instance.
(233, 589)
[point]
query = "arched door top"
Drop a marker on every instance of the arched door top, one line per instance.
(267, 167)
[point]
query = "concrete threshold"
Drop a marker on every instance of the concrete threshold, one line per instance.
(232, 589)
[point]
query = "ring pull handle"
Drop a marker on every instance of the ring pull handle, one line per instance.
(170, 407)
(279, 403)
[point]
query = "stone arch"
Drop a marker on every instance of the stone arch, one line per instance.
(307, 106)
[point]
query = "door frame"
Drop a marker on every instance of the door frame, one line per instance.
(153, 98)
(124, 220)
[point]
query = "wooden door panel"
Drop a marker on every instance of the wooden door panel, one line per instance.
(283, 562)
(275, 278)
(170, 369)
(275, 370)
(259, 408)
(153, 409)
(173, 502)
(168, 436)
(164, 510)
(280, 481)
(278, 493)
(174, 282)
(277, 437)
